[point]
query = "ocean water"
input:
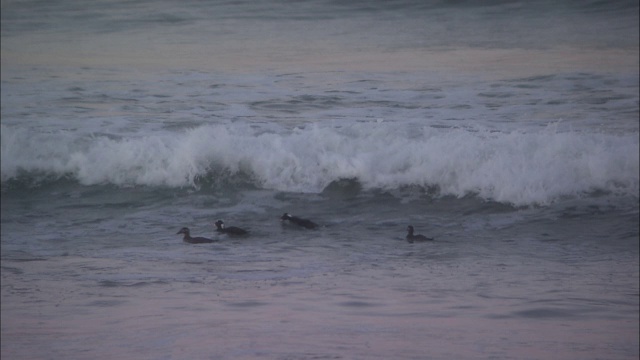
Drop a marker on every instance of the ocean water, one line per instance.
(506, 130)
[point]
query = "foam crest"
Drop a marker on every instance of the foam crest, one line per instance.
(518, 167)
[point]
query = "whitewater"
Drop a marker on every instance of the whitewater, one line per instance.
(520, 168)
(507, 131)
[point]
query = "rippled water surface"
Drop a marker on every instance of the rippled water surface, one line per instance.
(507, 131)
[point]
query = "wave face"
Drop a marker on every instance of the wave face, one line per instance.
(517, 167)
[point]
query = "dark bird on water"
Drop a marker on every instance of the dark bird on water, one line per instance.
(193, 240)
(231, 230)
(417, 237)
(306, 223)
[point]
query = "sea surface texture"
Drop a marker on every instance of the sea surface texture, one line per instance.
(508, 131)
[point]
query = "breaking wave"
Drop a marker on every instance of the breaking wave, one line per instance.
(520, 168)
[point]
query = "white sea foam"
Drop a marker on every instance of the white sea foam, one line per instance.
(516, 167)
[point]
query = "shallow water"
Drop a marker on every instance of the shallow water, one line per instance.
(508, 132)
(497, 282)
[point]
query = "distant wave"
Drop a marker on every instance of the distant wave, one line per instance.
(521, 168)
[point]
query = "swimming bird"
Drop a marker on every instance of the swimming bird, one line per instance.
(298, 221)
(231, 230)
(196, 240)
(419, 238)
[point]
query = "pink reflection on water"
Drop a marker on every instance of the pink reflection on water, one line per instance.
(326, 316)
